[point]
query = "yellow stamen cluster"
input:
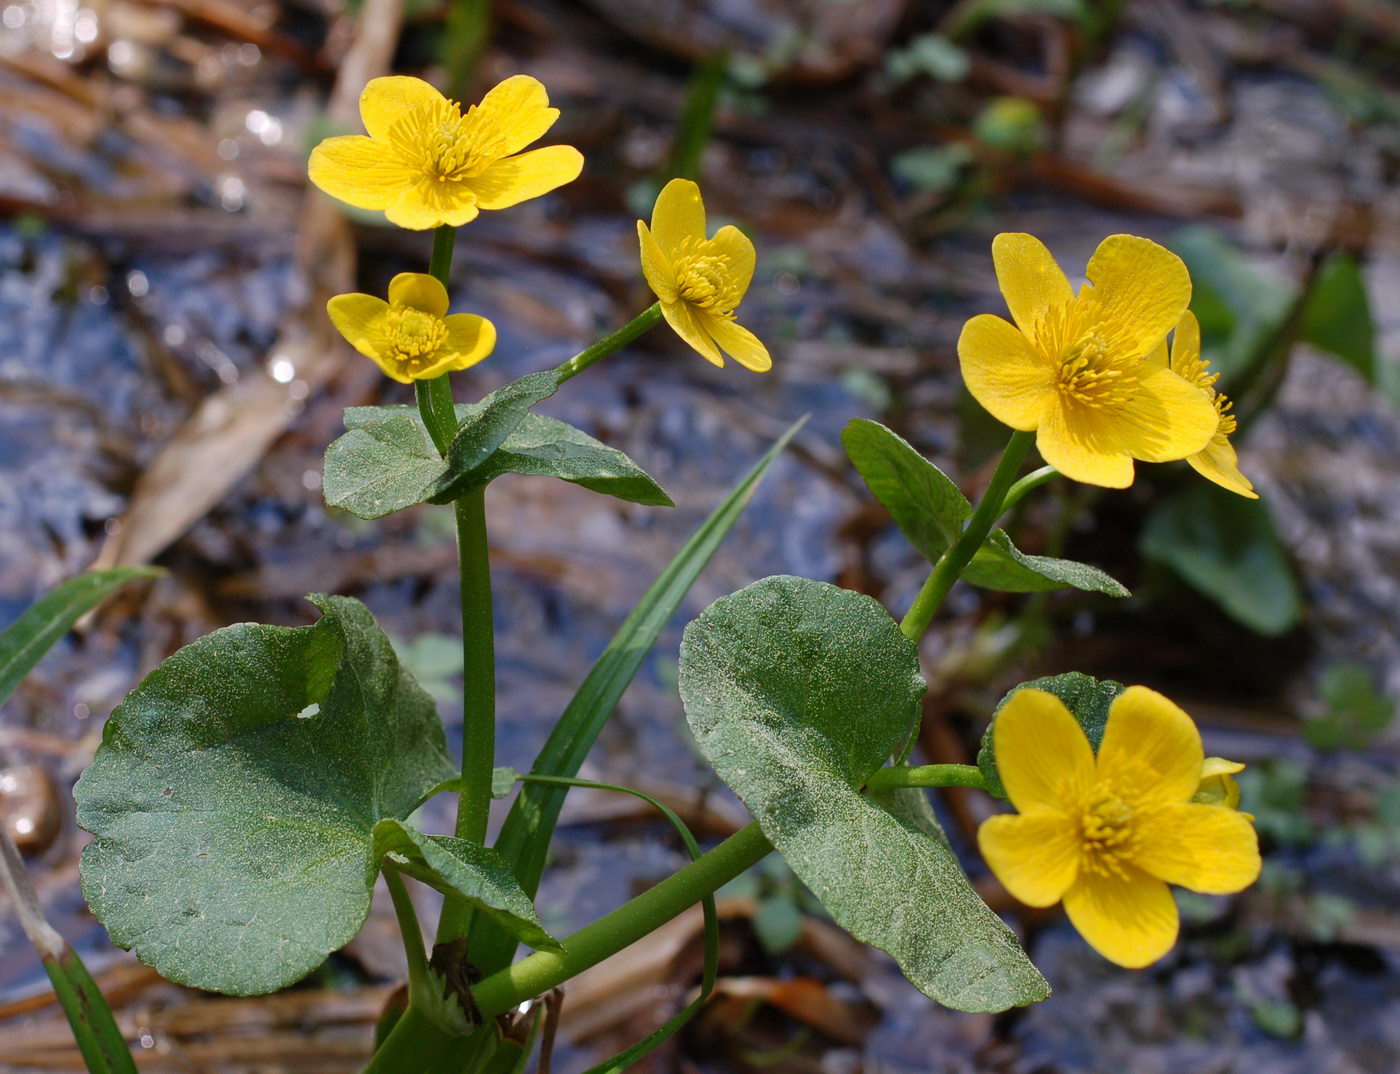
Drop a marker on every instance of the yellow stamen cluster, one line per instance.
(1107, 835)
(413, 337)
(703, 279)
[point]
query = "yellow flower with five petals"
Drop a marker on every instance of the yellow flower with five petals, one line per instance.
(412, 336)
(1074, 369)
(1216, 461)
(1108, 833)
(426, 164)
(700, 280)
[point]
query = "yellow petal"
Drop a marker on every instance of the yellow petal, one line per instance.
(1186, 341)
(431, 203)
(1219, 766)
(528, 175)
(420, 291)
(1207, 848)
(1218, 785)
(679, 214)
(1167, 418)
(1140, 290)
(1030, 280)
(1035, 855)
(469, 339)
(513, 114)
(737, 342)
(737, 252)
(386, 101)
(690, 328)
(656, 266)
(1082, 444)
(361, 320)
(1043, 758)
(1151, 746)
(1218, 462)
(359, 171)
(1158, 357)
(1003, 372)
(1130, 920)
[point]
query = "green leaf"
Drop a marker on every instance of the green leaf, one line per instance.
(486, 427)
(459, 867)
(931, 512)
(1087, 699)
(381, 467)
(526, 834)
(1226, 547)
(386, 460)
(778, 923)
(234, 797)
(25, 641)
(797, 691)
(1337, 317)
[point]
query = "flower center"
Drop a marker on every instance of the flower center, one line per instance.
(447, 145)
(1092, 374)
(1107, 833)
(703, 279)
(414, 336)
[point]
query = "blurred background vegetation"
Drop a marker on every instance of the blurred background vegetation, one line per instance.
(168, 382)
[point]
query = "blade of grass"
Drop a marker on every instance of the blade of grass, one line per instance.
(525, 836)
(104, 1049)
(28, 638)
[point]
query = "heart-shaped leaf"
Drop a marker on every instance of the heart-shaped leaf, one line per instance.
(1087, 699)
(797, 691)
(931, 511)
(234, 797)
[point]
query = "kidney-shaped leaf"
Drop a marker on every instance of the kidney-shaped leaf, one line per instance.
(1087, 699)
(797, 691)
(234, 797)
(931, 511)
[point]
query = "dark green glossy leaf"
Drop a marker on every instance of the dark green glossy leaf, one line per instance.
(1086, 697)
(381, 467)
(25, 641)
(1337, 317)
(459, 867)
(931, 512)
(1226, 547)
(797, 692)
(485, 428)
(235, 793)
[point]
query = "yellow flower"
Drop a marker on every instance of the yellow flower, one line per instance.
(1217, 460)
(412, 336)
(1072, 368)
(1218, 785)
(1107, 834)
(698, 280)
(426, 164)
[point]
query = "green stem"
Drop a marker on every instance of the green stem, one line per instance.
(414, 1043)
(927, 775)
(1029, 483)
(435, 396)
(624, 926)
(412, 933)
(953, 562)
(605, 346)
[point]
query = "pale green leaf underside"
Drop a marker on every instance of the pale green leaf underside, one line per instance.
(931, 512)
(797, 691)
(234, 796)
(386, 462)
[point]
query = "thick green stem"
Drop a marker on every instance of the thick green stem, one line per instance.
(927, 775)
(624, 926)
(414, 1044)
(605, 346)
(953, 562)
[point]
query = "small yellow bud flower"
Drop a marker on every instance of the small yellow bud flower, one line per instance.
(1218, 784)
(700, 280)
(1072, 368)
(1217, 461)
(426, 164)
(1108, 833)
(412, 336)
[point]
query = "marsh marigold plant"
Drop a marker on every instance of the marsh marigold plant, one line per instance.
(1107, 833)
(426, 164)
(1074, 369)
(700, 281)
